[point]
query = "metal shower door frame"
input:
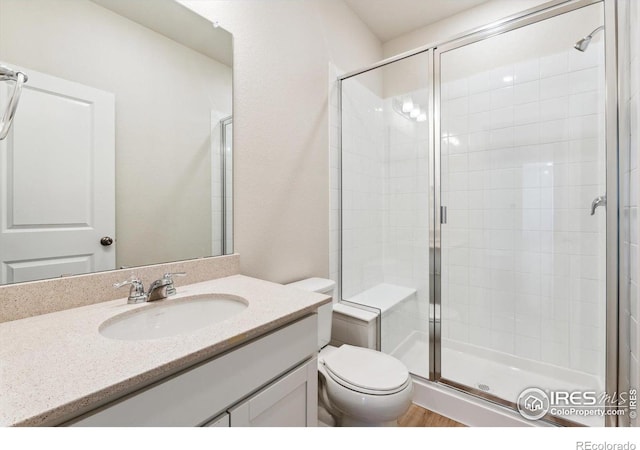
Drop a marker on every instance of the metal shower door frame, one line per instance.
(529, 17)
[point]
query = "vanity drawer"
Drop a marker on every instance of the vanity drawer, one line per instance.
(196, 395)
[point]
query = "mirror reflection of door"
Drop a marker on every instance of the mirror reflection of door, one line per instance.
(57, 195)
(221, 183)
(227, 185)
(164, 162)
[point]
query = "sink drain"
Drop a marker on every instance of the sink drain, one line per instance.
(484, 387)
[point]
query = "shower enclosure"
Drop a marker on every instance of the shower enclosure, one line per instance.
(479, 210)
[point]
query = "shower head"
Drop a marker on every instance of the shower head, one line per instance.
(583, 43)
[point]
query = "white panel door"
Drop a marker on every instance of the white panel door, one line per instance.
(57, 181)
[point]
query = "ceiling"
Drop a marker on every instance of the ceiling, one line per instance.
(388, 19)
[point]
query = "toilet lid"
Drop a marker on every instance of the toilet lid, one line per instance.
(366, 370)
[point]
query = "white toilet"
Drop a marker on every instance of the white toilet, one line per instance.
(356, 386)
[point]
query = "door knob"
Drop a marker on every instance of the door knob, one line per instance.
(106, 241)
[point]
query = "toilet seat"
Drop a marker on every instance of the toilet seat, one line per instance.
(366, 371)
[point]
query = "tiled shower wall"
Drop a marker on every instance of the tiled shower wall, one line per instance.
(363, 173)
(406, 203)
(522, 271)
(385, 200)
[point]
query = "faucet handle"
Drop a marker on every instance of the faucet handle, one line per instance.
(136, 292)
(169, 275)
(171, 289)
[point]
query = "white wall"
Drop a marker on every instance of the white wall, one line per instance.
(163, 173)
(282, 51)
(445, 29)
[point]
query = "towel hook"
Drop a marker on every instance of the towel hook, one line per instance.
(6, 74)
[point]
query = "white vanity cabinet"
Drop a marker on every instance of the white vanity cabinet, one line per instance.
(290, 401)
(270, 381)
(222, 421)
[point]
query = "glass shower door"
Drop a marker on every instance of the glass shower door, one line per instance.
(523, 180)
(385, 203)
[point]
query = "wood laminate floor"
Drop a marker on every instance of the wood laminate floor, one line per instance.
(420, 417)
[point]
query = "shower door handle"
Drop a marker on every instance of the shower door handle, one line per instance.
(443, 215)
(599, 201)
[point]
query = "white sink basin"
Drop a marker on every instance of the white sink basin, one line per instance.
(171, 317)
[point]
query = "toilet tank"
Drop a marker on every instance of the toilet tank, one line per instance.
(325, 312)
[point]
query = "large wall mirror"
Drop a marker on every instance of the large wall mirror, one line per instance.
(120, 153)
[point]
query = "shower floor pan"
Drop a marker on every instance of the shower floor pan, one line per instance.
(496, 373)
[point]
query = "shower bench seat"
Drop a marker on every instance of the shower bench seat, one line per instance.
(355, 321)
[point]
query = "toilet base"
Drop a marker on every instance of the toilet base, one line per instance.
(329, 417)
(325, 418)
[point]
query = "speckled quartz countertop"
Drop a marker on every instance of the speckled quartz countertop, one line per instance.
(54, 367)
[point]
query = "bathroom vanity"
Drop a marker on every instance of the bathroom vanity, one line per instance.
(256, 368)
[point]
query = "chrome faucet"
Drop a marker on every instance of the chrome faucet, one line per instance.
(158, 290)
(136, 292)
(163, 287)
